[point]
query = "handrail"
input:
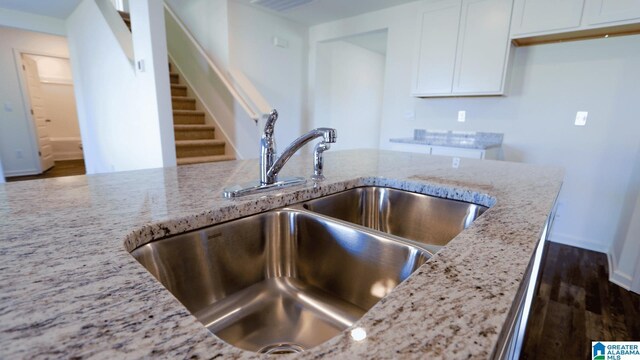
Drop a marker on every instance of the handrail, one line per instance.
(234, 92)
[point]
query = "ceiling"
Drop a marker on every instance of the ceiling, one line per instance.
(315, 12)
(321, 11)
(55, 8)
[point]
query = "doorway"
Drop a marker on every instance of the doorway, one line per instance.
(350, 77)
(48, 95)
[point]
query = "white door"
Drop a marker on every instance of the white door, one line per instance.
(38, 112)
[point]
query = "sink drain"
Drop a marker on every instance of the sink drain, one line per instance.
(281, 348)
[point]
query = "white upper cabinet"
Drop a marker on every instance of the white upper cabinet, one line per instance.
(462, 47)
(548, 17)
(607, 11)
(437, 47)
(483, 42)
(534, 16)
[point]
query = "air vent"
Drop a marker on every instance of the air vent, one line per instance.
(280, 5)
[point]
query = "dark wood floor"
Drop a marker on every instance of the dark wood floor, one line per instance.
(576, 304)
(61, 168)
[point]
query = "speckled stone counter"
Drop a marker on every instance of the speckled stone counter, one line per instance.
(456, 139)
(70, 288)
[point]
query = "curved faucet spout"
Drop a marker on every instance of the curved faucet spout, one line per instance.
(329, 136)
(271, 164)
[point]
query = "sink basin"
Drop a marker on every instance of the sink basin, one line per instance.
(281, 281)
(418, 217)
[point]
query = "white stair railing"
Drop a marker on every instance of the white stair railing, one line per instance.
(236, 82)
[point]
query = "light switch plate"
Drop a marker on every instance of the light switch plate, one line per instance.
(462, 116)
(409, 115)
(8, 107)
(581, 118)
(455, 163)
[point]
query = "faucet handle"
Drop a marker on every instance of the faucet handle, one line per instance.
(271, 122)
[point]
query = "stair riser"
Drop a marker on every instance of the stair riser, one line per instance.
(183, 105)
(204, 150)
(178, 91)
(180, 119)
(207, 134)
(174, 78)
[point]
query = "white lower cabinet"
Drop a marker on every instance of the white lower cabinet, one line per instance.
(489, 154)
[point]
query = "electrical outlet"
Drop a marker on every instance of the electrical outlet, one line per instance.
(8, 107)
(455, 163)
(462, 116)
(18, 154)
(581, 118)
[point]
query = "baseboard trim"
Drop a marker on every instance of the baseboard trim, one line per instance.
(14, 173)
(68, 156)
(621, 279)
(616, 276)
(579, 242)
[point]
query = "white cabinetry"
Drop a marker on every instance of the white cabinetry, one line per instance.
(550, 17)
(534, 16)
(462, 48)
(603, 12)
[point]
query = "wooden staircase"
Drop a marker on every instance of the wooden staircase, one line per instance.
(196, 140)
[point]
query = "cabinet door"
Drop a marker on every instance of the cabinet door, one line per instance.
(483, 43)
(458, 152)
(438, 25)
(606, 11)
(534, 16)
(412, 148)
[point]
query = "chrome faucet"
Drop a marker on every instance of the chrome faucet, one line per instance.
(271, 164)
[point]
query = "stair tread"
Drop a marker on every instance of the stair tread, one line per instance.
(204, 159)
(178, 86)
(199, 142)
(188, 112)
(183, 98)
(193, 127)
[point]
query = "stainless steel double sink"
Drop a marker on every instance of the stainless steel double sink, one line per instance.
(289, 279)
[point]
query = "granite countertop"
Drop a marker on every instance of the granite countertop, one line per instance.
(457, 139)
(70, 288)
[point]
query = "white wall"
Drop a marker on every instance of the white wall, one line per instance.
(625, 249)
(348, 93)
(240, 37)
(549, 84)
(31, 22)
(18, 147)
(232, 123)
(278, 73)
(124, 114)
(208, 21)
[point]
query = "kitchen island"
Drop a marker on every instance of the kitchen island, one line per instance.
(70, 288)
